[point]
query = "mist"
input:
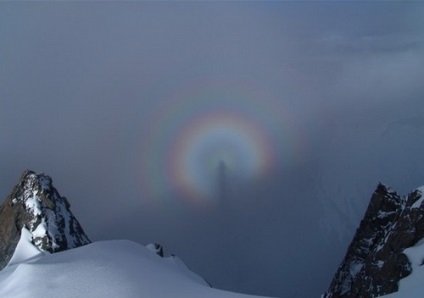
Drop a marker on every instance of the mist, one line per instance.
(246, 137)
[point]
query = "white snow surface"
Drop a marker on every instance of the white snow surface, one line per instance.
(40, 231)
(25, 250)
(118, 268)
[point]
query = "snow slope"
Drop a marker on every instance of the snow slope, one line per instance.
(105, 269)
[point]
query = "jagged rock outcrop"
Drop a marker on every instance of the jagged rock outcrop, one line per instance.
(156, 248)
(36, 205)
(375, 262)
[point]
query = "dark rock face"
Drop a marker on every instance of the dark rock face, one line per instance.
(36, 205)
(156, 248)
(375, 262)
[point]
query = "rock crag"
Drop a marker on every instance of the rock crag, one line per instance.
(37, 206)
(375, 262)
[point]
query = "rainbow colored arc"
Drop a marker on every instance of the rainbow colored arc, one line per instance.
(211, 139)
(192, 133)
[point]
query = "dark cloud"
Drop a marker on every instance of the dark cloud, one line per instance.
(83, 86)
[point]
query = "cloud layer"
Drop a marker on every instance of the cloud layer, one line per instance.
(97, 94)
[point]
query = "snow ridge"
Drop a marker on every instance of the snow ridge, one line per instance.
(106, 269)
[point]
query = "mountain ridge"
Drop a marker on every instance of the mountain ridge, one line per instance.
(35, 205)
(375, 261)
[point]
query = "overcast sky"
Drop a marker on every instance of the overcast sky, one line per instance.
(246, 137)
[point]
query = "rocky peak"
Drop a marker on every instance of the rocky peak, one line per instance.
(375, 262)
(37, 206)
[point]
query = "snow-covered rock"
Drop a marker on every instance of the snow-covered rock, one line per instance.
(36, 207)
(379, 255)
(156, 248)
(412, 286)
